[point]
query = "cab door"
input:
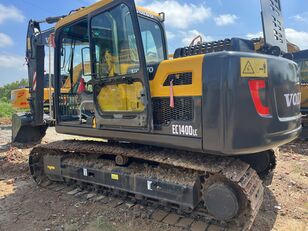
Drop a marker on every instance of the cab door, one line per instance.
(120, 82)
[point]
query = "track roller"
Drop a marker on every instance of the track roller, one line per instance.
(221, 201)
(121, 160)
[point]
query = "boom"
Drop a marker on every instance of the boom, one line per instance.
(33, 124)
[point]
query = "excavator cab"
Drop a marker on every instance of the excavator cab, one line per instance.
(119, 86)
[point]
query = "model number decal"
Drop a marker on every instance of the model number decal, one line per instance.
(185, 130)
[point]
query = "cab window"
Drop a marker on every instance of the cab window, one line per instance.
(115, 54)
(75, 98)
(152, 41)
(115, 44)
(74, 43)
(303, 65)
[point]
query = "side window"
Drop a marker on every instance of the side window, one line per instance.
(49, 66)
(75, 99)
(74, 45)
(150, 48)
(115, 44)
(304, 70)
(152, 41)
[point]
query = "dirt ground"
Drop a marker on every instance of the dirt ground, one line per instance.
(24, 206)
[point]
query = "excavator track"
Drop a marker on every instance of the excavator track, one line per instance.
(208, 177)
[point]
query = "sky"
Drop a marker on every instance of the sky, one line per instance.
(212, 19)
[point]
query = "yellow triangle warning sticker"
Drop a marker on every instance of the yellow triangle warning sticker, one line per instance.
(248, 69)
(254, 67)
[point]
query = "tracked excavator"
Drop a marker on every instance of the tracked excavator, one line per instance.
(195, 134)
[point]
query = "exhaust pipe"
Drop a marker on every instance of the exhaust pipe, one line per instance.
(23, 130)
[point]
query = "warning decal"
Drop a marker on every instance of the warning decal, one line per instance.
(254, 67)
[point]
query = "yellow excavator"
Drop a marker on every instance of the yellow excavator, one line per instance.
(301, 57)
(20, 97)
(194, 134)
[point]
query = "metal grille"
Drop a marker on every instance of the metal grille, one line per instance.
(68, 105)
(163, 114)
(179, 79)
(204, 48)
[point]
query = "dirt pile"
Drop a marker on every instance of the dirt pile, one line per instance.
(14, 162)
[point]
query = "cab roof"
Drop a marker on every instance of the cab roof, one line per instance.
(87, 10)
(301, 55)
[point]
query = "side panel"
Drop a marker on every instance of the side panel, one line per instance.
(168, 141)
(191, 64)
(178, 82)
(231, 122)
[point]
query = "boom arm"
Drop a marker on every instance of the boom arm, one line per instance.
(35, 55)
(31, 127)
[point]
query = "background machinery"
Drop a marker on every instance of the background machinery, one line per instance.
(301, 57)
(194, 133)
(20, 97)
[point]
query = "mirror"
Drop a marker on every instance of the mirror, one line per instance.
(86, 64)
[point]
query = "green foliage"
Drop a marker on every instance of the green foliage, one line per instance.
(5, 91)
(6, 110)
(4, 99)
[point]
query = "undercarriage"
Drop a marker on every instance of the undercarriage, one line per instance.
(227, 191)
